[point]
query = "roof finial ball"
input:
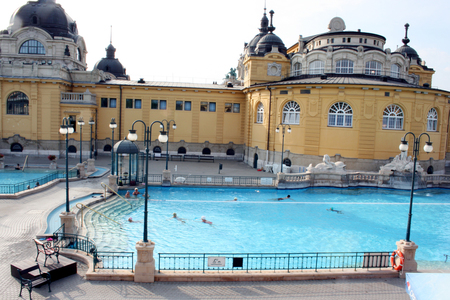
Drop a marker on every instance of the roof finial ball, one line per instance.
(406, 40)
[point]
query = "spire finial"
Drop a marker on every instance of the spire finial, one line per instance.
(110, 36)
(406, 40)
(271, 28)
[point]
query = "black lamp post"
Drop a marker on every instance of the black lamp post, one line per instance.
(91, 122)
(66, 128)
(174, 126)
(132, 136)
(282, 147)
(112, 125)
(81, 124)
(404, 147)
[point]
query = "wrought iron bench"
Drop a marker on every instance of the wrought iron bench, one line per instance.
(190, 156)
(206, 157)
(47, 249)
(176, 156)
(29, 281)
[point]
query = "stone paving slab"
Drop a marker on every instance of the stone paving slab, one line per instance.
(21, 219)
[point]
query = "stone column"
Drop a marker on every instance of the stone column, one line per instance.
(166, 178)
(53, 165)
(91, 165)
(144, 270)
(82, 170)
(112, 183)
(409, 252)
(68, 218)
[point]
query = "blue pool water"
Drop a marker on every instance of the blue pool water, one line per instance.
(17, 176)
(371, 220)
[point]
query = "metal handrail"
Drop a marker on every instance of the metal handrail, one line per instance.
(24, 163)
(82, 206)
(104, 185)
(113, 260)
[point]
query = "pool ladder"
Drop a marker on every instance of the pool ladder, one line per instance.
(104, 185)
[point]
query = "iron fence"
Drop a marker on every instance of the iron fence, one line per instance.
(218, 262)
(205, 180)
(28, 184)
(74, 241)
(113, 260)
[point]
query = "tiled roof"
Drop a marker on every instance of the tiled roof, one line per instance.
(172, 85)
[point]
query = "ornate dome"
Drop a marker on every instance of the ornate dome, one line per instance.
(126, 146)
(406, 50)
(47, 15)
(265, 44)
(111, 64)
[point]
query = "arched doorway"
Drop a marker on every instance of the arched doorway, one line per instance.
(255, 161)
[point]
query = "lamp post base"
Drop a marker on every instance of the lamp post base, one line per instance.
(166, 178)
(68, 219)
(81, 170)
(409, 252)
(144, 270)
(91, 165)
(113, 182)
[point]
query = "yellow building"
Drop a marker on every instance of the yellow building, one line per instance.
(340, 92)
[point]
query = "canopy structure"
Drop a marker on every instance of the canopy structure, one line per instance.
(128, 163)
(423, 286)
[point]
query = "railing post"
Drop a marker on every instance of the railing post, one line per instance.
(289, 258)
(317, 258)
(204, 255)
(248, 260)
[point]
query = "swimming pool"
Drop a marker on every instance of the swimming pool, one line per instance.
(371, 220)
(14, 181)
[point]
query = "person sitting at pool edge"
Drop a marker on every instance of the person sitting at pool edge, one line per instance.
(37, 184)
(18, 167)
(136, 192)
(127, 195)
(206, 221)
(287, 197)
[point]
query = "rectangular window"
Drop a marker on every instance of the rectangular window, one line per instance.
(179, 105)
(284, 92)
(343, 40)
(349, 40)
(73, 122)
(374, 42)
(162, 104)
(138, 103)
(332, 40)
(387, 94)
(360, 40)
(154, 104)
(228, 107)
(187, 105)
(104, 102)
(112, 102)
(129, 103)
(365, 41)
(236, 108)
(305, 91)
(203, 106)
(328, 41)
(212, 106)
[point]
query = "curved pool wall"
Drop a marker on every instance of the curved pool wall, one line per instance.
(371, 220)
(53, 219)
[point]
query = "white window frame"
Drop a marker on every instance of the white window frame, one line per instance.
(297, 69)
(373, 68)
(393, 117)
(432, 120)
(395, 71)
(291, 113)
(340, 115)
(260, 113)
(316, 67)
(344, 66)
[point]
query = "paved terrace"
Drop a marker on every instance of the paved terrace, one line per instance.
(21, 219)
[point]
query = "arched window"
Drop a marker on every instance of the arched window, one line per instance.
(340, 115)
(395, 71)
(16, 147)
(79, 57)
(72, 149)
(17, 104)
(432, 119)
(297, 69)
(344, 66)
(316, 67)
(107, 148)
(287, 162)
(230, 152)
(393, 117)
(206, 151)
(156, 149)
(32, 47)
(291, 113)
(260, 113)
(181, 150)
(373, 68)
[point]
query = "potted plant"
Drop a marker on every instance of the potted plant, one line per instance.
(1, 156)
(51, 157)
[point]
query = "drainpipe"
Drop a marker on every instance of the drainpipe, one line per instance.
(120, 113)
(270, 111)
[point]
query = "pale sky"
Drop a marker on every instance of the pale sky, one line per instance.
(200, 40)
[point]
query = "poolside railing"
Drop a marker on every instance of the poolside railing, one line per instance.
(217, 262)
(212, 180)
(74, 241)
(29, 184)
(113, 260)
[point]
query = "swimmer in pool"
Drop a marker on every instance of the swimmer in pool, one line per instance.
(174, 216)
(130, 219)
(127, 195)
(278, 199)
(206, 221)
(136, 192)
(338, 211)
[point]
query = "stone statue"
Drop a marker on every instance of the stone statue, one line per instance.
(327, 165)
(400, 163)
(231, 74)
